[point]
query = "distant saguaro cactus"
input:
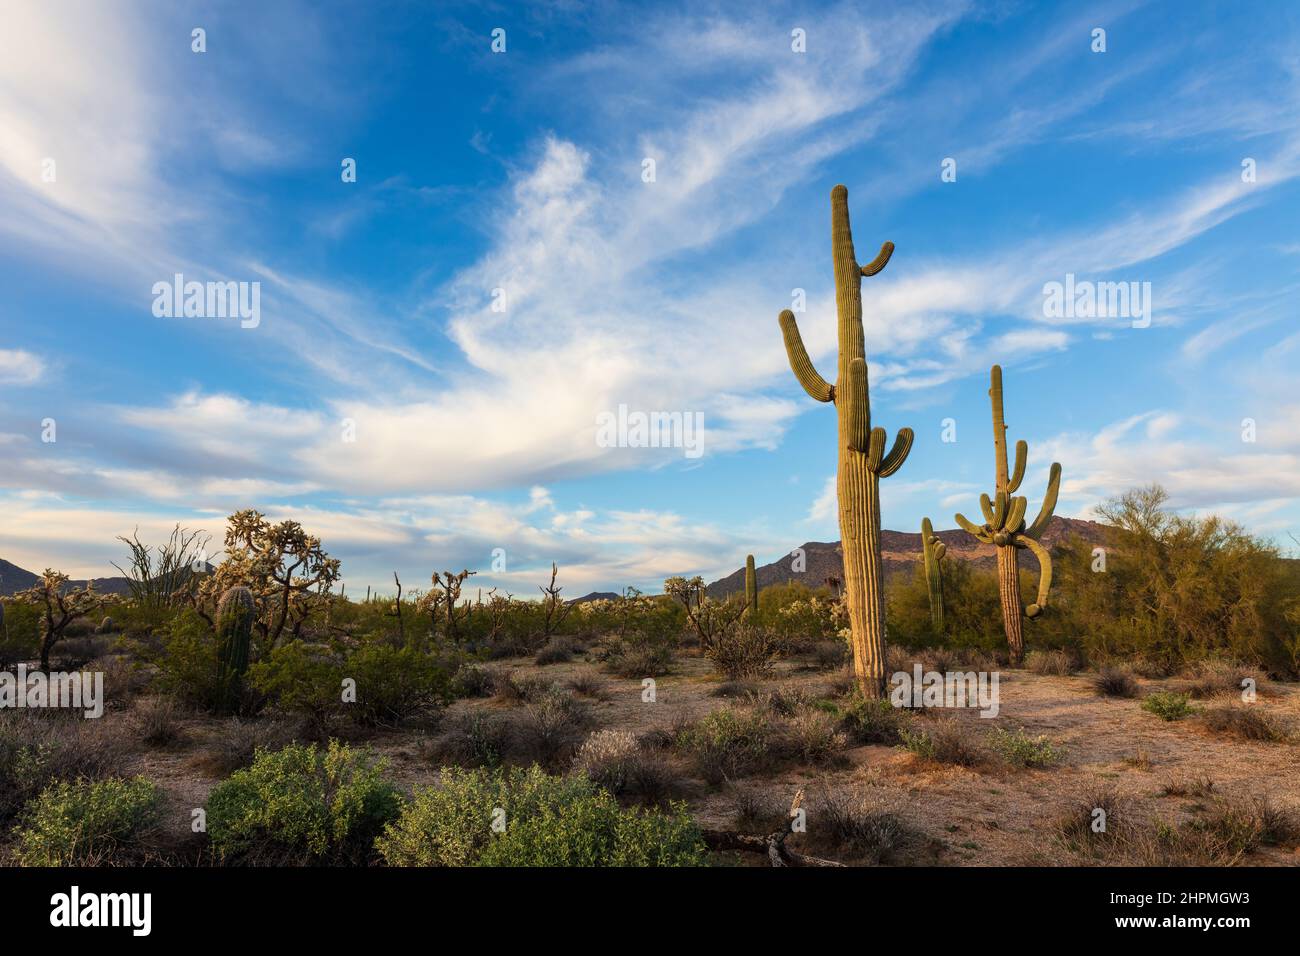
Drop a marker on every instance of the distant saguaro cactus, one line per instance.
(862, 458)
(933, 549)
(235, 614)
(751, 586)
(1004, 517)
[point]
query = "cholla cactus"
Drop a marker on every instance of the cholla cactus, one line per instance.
(862, 457)
(751, 586)
(1004, 517)
(933, 550)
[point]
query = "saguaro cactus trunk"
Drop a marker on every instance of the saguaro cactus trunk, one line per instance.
(751, 586)
(1004, 526)
(862, 459)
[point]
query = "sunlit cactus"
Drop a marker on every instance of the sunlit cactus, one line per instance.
(862, 457)
(751, 586)
(933, 551)
(1004, 526)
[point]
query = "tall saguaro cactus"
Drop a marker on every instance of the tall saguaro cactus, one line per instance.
(933, 551)
(751, 586)
(862, 458)
(235, 614)
(1004, 526)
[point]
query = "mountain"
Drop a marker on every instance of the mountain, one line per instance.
(900, 550)
(14, 579)
(597, 596)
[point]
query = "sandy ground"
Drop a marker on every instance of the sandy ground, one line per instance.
(993, 815)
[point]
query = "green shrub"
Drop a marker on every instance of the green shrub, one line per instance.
(302, 679)
(872, 721)
(86, 823)
(1167, 705)
(394, 684)
(37, 749)
(541, 820)
(301, 804)
(947, 741)
(20, 636)
(1020, 750)
(727, 743)
(187, 661)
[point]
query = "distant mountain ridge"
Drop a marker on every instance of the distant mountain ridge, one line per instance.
(900, 550)
(14, 579)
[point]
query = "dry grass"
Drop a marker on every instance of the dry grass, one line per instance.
(1244, 722)
(1115, 682)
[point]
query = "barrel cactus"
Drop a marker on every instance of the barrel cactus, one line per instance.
(863, 460)
(235, 614)
(933, 551)
(751, 586)
(1004, 526)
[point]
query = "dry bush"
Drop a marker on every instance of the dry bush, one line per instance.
(474, 739)
(755, 811)
(730, 742)
(1244, 722)
(617, 761)
(514, 687)
(38, 748)
(157, 721)
(589, 684)
(472, 680)
(842, 684)
(1197, 786)
(898, 659)
(551, 729)
(856, 824)
(828, 655)
(867, 720)
(1213, 678)
(947, 740)
(744, 652)
(236, 741)
(812, 737)
(736, 688)
(124, 680)
(1054, 663)
(1076, 827)
(1115, 682)
(558, 650)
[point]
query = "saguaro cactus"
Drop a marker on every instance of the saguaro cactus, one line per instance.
(933, 550)
(235, 613)
(862, 458)
(1004, 526)
(751, 586)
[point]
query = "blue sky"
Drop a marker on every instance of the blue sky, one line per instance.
(522, 171)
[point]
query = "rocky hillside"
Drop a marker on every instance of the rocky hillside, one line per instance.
(900, 550)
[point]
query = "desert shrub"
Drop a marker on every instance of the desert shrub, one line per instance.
(548, 821)
(1243, 722)
(867, 720)
(304, 679)
(558, 650)
(236, 741)
(735, 688)
(639, 660)
(828, 655)
(730, 742)
(754, 809)
(472, 680)
(87, 823)
(1199, 786)
(186, 659)
(551, 728)
(302, 804)
(158, 721)
(394, 684)
(20, 637)
(589, 684)
(474, 739)
(1167, 705)
(947, 741)
(854, 825)
(972, 608)
(801, 624)
(744, 652)
(812, 736)
(1115, 682)
(1099, 816)
(783, 701)
(617, 761)
(515, 687)
(1020, 750)
(1054, 663)
(1215, 678)
(37, 749)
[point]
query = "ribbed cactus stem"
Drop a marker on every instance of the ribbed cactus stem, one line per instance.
(1004, 526)
(933, 551)
(751, 586)
(235, 613)
(862, 458)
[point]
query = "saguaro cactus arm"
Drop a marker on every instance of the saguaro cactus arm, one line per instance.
(881, 260)
(1036, 529)
(898, 454)
(800, 363)
(973, 529)
(1044, 573)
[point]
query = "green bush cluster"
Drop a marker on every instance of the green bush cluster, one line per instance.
(517, 817)
(86, 823)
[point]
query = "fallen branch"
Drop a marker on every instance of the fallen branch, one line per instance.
(772, 845)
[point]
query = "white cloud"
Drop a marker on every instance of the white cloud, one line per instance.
(20, 367)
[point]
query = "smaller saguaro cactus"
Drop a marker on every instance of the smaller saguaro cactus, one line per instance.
(1005, 528)
(235, 613)
(933, 550)
(751, 586)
